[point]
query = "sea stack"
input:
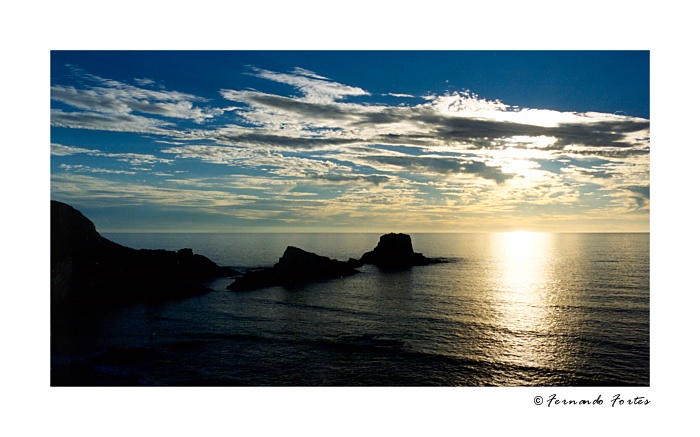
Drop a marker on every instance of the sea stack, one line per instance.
(395, 251)
(296, 266)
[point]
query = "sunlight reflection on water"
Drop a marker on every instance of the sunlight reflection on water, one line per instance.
(522, 283)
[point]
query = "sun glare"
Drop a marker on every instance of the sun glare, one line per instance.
(520, 281)
(518, 244)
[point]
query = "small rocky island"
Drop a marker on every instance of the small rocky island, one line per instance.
(87, 268)
(395, 251)
(298, 266)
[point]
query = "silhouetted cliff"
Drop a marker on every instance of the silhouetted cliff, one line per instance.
(88, 267)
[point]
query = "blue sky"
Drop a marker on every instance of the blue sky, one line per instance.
(416, 141)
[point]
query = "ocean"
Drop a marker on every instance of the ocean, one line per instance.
(510, 309)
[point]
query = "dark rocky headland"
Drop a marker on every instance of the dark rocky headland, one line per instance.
(87, 268)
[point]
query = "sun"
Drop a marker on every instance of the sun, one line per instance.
(521, 241)
(520, 236)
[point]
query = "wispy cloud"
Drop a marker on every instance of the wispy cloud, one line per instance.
(110, 122)
(86, 169)
(400, 95)
(61, 150)
(77, 188)
(315, 88)
(113, 98)
(144, 81)
(131, 158)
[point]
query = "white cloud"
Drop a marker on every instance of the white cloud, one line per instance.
(72, 187)
(117, 98)
(143, 81)
(61, 150)
(131, 158)
(308, 73)
(274, 163)
(110, 122)
(316, 89)
(87, 169)
(399, 95)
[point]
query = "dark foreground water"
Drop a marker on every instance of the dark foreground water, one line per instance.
(518, 309)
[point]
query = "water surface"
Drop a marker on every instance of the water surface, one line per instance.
(517, 309)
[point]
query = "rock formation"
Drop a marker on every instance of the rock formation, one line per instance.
(395, 251)
(88, 267)
(296, 266)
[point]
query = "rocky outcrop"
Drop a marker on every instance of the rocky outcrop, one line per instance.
(296, 266)
(86, 267)
(395, 251)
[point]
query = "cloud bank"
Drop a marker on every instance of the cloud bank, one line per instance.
(330, 153)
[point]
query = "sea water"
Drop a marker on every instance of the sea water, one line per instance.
(510, 309)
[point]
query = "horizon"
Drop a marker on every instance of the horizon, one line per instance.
(352, 141)
(361, 232)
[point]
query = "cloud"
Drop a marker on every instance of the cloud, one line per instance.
(308, 73)
(86, 169)
(628, 198)
(399, 95)
(642, 191)
(277, 139)
(459, 120)
(269, 108)
(638, 194)
(132, 158)
(277, 164)
(110, 122)
(143, 81)
(437, 165)
(315, 88)
(76, 188)
(353, 178)
(61, 150)
(105, 96)
(321, 154)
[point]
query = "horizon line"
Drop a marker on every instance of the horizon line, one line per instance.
(371, 232)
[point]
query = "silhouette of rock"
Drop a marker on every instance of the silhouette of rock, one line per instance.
(395, 251)
(354, 263)
(295, 266)
(86, 267)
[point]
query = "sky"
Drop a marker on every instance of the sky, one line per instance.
(352, 141)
